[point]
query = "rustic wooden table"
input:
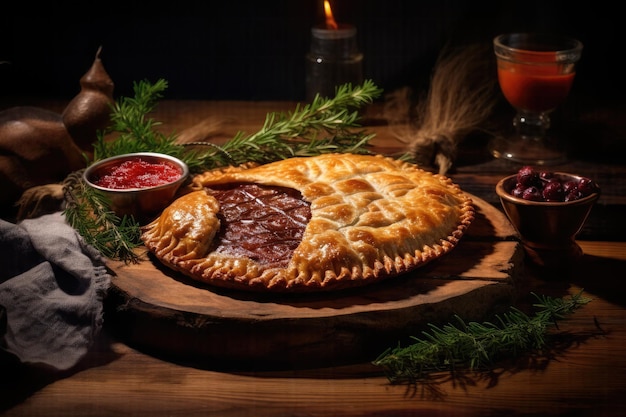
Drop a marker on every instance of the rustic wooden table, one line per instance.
(585, 376)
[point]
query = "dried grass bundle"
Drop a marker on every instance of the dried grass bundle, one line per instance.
(39, 200)
(460, 100)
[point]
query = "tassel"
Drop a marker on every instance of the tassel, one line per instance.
(461, 98)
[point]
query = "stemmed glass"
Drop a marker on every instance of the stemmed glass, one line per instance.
(535, 72)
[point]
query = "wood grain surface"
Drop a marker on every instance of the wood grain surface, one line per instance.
(161, 310)
(584, 377)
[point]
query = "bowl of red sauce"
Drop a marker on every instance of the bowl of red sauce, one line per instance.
(138, 184)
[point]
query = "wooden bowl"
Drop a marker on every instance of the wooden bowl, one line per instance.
(547, 229)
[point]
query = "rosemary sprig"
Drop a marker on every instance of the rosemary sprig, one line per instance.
(135, 131)
(326, 125)
(87, 210)
(476, 345)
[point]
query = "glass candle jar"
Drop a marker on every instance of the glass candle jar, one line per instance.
(334, 59)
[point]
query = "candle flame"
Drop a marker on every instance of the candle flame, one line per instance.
(330, 20)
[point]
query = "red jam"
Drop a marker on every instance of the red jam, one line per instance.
(137, 173)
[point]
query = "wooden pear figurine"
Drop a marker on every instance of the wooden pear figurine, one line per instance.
(39, 146)
(90, 110)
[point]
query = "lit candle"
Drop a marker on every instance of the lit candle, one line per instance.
(334, 58)
(328, 12)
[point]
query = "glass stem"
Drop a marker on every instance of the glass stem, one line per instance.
(531, 125)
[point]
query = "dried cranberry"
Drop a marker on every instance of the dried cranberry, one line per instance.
(518, 191)
(573, 195)
(527, 176)
(586, 186)
(532, 193)
(553, 191)
(546, 175)
(570, 186)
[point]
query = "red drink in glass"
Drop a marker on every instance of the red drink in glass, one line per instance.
(535, 72)
(534, 88)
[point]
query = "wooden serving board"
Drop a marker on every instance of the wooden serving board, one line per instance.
(165, 313)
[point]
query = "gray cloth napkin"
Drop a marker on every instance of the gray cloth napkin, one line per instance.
(52, 286)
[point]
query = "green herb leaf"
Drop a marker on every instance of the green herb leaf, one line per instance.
(87, 210)
(327, 125)
(134, 130)
(476, 345)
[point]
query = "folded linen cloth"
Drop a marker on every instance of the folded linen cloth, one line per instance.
(52, 284)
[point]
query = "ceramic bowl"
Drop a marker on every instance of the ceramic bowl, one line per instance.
(141, 202)
(547, 230)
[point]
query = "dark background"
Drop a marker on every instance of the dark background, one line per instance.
(254, 50)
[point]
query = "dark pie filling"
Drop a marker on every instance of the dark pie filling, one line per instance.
(260, 222)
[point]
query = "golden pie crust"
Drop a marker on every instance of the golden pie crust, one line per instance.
(371, 217)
